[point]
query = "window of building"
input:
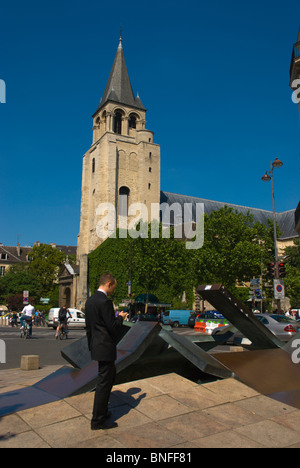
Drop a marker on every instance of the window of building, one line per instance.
(3, 256)
(118, 123)
(123, 200)
(93, 165)
(2, 270)
(149, 186)
(132, 121)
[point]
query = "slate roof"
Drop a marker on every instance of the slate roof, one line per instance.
(118, 88)
(12, 254)
(285, 220)
(19, 254)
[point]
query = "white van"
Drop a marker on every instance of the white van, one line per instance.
(77, 320)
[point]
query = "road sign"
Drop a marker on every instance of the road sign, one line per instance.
(25, 297)
(45, 300)
(279, 289)
(255, 281)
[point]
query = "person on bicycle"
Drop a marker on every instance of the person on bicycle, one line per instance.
(27, 314)
(63, 316)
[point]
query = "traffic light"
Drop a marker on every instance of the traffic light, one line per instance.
(281, 270)
(272, 270)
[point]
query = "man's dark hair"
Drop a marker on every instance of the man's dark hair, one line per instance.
(107, 278)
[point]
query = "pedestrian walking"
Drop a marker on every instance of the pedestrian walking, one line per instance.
(103, 331)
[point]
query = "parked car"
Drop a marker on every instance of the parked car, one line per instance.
(284, 319)
(284, 330)
(175, 318)
(213, 314)
(77, 320)
(283, 327)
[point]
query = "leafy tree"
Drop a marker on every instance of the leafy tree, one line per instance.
(16, 280)
(233, 248)
(161, 265)
(44, 263)
(157, 265)
(39, 276)
(292, 280)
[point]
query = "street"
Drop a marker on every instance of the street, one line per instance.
(42, 343)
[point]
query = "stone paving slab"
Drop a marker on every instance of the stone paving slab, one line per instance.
(167, 411)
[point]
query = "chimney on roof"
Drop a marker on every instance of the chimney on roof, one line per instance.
(19, 249)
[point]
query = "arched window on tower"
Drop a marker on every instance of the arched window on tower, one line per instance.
(118, 123)
(123, 201)
(132, 121)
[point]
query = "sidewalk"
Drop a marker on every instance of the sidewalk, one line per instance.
(159, 412)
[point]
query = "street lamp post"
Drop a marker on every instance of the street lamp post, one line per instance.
(267, 177)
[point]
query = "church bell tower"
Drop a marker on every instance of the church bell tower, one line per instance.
(122, 167)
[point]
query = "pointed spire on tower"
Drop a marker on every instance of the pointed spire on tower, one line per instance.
(118, 88)
(120, 40)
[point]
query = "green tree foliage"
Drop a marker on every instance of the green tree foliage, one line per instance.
(18, 279)
(44, 263)
(292, 280)
(157, 266)
(112, 256)
(38, 276)
(233, 250)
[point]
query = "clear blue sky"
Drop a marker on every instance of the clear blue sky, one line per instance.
(214, 77)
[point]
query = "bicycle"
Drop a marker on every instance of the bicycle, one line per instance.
(63, 331)
(25, 330)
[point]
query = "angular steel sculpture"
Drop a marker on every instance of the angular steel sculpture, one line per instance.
(239, 316)
(68, 382)
(193, 353)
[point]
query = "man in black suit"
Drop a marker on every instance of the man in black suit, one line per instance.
(103, 330)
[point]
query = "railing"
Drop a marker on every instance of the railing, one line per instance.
(295, 55)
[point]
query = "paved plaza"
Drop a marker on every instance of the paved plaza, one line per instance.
(166, 411)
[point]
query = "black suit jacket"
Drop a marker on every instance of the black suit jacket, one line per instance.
(102, 327)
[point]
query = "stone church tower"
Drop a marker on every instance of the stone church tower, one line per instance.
(122, 167)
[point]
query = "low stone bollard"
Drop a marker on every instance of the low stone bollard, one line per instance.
(30, 362)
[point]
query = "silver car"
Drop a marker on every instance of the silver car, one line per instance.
(283, 327)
